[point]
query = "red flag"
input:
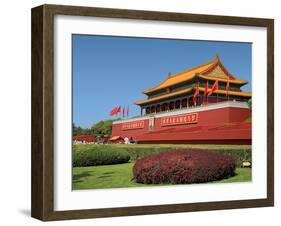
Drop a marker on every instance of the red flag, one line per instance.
(118, 110)
(128, 112)
(196, 93)
(206, 89)
(113, 111)
(227, 87)
(123, 112)
(214, 87)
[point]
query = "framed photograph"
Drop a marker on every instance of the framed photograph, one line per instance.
(142, 112)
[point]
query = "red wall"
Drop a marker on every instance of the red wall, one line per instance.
(117, 130)
(210, 117)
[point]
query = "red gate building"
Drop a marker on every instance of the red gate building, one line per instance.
(172, 114)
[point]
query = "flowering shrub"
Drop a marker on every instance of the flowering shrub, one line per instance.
(183, 167)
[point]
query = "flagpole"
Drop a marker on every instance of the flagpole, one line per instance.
(207, 89)
(226, 87)
(217, 89)
(197, 100)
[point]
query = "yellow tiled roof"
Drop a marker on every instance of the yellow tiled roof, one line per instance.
(187, 90)
(181, 77)
(231, 93)
(190, 74)
(237, 81)
(164, 96)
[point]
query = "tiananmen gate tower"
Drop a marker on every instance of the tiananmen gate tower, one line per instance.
(203, 104)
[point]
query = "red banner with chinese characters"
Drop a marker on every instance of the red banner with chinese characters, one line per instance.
(180, 119)
(133, 125)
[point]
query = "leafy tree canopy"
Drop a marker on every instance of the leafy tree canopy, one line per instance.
(77, 130)
(101, 128)
(250, 104)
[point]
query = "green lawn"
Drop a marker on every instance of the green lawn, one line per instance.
(120, 176)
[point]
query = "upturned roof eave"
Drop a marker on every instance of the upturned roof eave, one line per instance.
(235, 81)
(201, 89)
(209, 64)
(165, 96)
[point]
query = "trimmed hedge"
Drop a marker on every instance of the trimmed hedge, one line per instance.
(100, 156)
(139, 151)
(183, 167)
(239, 155)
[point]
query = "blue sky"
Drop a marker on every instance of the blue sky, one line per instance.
(111, 71)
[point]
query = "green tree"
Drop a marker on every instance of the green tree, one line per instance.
(250, 104)
(250, 108)
(103, 128)
(79, 130)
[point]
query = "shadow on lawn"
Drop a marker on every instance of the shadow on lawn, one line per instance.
(76, 178)
(106, 175)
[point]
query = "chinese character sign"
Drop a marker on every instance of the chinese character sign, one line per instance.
(180, 119)
(133, 125)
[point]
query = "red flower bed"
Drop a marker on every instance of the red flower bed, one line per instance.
(183, 167)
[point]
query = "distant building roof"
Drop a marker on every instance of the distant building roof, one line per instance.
(114, 138)
(85, 138)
